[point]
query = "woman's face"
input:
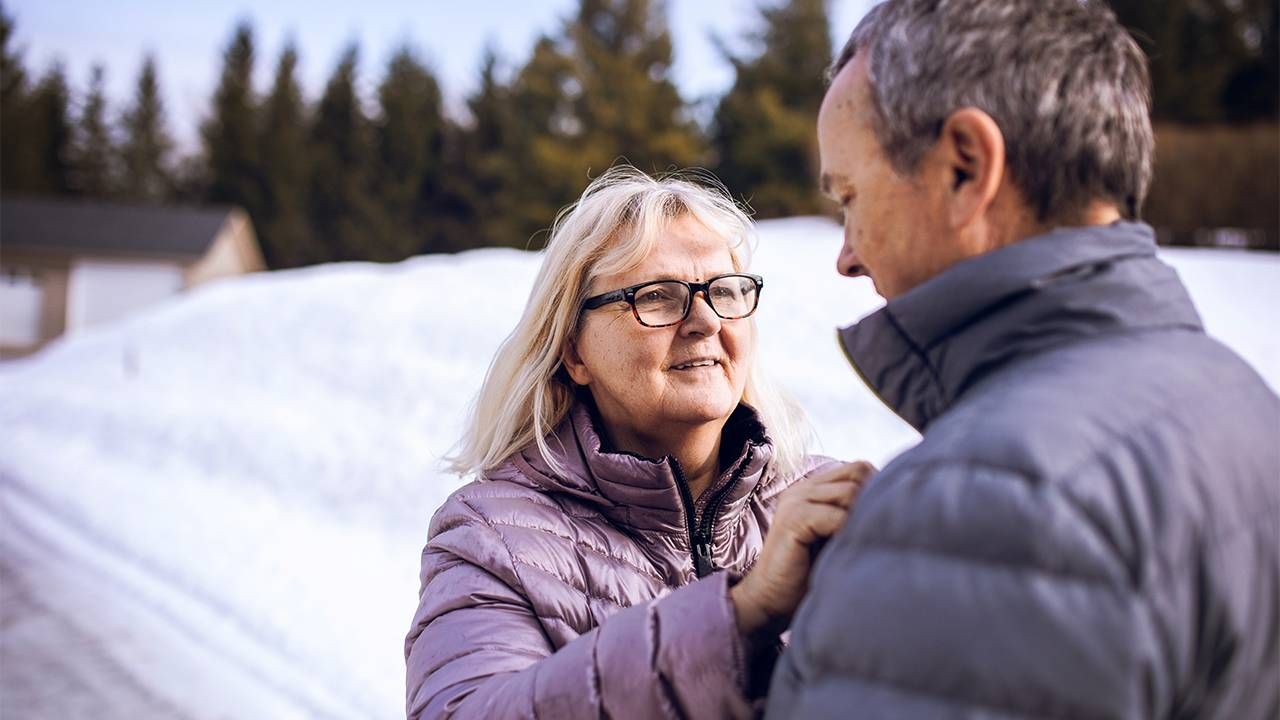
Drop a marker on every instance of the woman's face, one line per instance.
(640, 376)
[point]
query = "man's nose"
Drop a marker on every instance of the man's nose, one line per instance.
(847, 262)
(701, 320)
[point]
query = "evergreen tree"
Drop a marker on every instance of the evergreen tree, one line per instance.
(1210, 60)
(628, 106)
(472, 208)
(543, 152)
(18, 159)
(763, 127)
(230, 135)
(599, 94)
(489, 106)
(342, 211)
(50, 128)
(146, 146)
(409, 173)
(284, 231)
(93, 151)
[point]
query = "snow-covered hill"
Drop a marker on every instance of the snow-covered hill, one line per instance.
(215, 508)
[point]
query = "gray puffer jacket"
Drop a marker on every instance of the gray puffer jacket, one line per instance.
(578, 596)
(1090, 527)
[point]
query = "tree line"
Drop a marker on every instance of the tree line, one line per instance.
(336, 178)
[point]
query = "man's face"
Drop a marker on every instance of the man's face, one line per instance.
(893, 225)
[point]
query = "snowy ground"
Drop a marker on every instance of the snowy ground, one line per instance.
(215, 508)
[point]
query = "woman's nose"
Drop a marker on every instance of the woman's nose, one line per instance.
(701, 320)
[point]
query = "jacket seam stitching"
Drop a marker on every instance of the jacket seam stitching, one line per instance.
(1062, 574)
(914, 689)
(586, 593)
(1102, 451)
(763, 493)
(665, 692)
(1011, 474)
(583, 546)
(548, 505)
(506, 649)
(523, 589)
(1164, 572)
(597, 686)
(920, 351)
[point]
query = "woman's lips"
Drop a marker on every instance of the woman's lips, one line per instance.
(699, 364)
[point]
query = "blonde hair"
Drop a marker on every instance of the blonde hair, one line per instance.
(612, 228)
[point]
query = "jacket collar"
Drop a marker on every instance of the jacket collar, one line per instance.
(644, 493)
(923, 349)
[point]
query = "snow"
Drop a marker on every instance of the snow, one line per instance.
(215, 508)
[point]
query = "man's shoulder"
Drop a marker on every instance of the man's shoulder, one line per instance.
(1129, 458)
(1052, 413)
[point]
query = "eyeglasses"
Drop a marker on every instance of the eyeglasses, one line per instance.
(660, 303)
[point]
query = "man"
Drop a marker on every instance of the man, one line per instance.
(1089, 526)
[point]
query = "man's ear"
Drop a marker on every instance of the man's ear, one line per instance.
(573, 364)
(972, 151)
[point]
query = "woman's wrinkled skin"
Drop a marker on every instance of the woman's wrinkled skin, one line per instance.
(651, 402)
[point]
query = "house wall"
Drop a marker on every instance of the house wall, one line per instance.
(20, 301)
(53, 311)
(101, 290)
(33, 292)
(234, 252)
(43, 294)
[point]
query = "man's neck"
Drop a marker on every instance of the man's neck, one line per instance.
(1022, 224)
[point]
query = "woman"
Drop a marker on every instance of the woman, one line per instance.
(609, 560)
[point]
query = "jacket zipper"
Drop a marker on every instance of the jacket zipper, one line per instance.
(700, 534)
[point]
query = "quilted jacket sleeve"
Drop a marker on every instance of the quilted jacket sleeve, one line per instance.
(967, 591)
(477, 650)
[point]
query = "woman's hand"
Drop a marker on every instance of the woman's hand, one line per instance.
(807, 514)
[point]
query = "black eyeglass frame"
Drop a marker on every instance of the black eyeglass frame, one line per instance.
(628, 295)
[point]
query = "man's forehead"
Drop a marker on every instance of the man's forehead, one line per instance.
(849, 94)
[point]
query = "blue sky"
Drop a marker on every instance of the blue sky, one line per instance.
(188, 39)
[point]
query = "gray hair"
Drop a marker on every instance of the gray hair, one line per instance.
(1063, 79)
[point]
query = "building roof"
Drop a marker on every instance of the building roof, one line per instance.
(78, 227)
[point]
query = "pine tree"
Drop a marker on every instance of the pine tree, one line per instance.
(230, 135)
(50, 126)
(599, 94)
(628, 106)
(1209, 61)
(763, 127)
(409, 173)
(342, 211)
(543, 150)
(284, 232)
(18, 159)
(147, 146)
(93, 151)
(477, 167)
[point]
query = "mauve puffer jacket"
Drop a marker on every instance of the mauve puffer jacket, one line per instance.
(579, 596)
